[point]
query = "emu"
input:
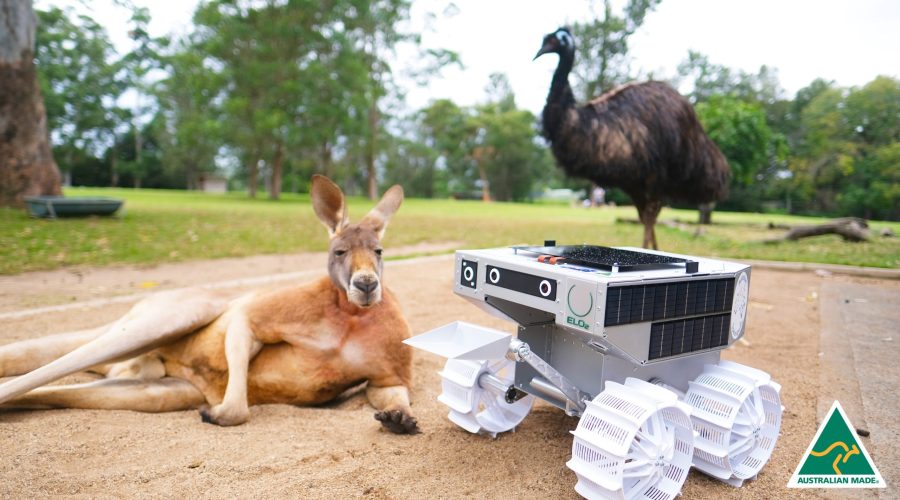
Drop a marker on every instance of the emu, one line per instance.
(644, 138)
(301, 344)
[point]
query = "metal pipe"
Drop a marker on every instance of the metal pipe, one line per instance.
(543, 386)
(575, 399)
(491, 383)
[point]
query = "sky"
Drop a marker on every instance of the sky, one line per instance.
(848, 41)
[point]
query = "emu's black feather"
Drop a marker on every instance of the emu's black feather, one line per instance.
(644, 138)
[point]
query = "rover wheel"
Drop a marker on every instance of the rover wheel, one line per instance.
(736, 411)
(633, 441)
(476, 405)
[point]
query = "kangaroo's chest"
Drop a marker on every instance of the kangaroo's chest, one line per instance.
(315, 362)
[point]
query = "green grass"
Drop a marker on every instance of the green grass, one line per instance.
(163, 226)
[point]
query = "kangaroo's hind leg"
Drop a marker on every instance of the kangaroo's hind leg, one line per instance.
(153, 396)
(153, 322)
(26, 355)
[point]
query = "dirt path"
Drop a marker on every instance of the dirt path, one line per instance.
(340, 451)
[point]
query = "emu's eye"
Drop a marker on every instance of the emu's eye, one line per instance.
(339, 253)
(378, 251)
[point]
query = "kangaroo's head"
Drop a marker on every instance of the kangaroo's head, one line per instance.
(354, 255)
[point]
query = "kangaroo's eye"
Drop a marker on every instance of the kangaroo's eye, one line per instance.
(339, 253)
(378, 252)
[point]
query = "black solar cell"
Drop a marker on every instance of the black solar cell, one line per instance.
(671, 338)
(635, 304)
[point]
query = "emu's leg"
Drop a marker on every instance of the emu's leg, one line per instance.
(154, 396)
(392, 404)
(26, 355)
(649, 214)
(155, 321)
(643, 214)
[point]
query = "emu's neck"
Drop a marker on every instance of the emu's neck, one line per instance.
(560, 97)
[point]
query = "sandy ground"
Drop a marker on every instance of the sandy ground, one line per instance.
(339, 451)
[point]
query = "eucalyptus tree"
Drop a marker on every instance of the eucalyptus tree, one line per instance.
(81, 82)
(602, 60)
(191, 130)
(136, 69)
(26, 161)
(284, 69)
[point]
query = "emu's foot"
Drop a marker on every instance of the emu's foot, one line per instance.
(398, 421)
(219, 415)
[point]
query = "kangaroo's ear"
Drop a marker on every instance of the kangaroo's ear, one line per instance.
(328, 203)
(378, 217)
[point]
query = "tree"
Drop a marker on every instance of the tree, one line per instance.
(191, 130)
(709, 79)
(602, 54)
(289, 74)
(447, 129)
(144, 57)
(26, 162)
(80, 83)
(740, 130)
(508, 156)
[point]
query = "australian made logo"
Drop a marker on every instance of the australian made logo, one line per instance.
(835, 458)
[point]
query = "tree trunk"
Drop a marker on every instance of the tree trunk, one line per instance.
(138, 148)
(277, 162)
(485, 184)
(252, 174)
(327, 160)
(26, 162)
(706, 210)
(113, 166)
(370, 149)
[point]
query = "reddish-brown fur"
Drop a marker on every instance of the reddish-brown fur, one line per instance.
(294, 367)
(300, 344)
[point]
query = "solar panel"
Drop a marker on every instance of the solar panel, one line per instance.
(606, 258)
(671, 338)
(639, 303)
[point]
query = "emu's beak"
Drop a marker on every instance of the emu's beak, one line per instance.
(541, 52)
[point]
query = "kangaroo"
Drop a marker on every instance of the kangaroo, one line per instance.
(194, 349)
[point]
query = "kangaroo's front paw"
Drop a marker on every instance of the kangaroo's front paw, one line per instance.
(398, 421)
(224, 416)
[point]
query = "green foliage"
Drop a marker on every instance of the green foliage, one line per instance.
(709, 79)
(753, 150)
(281, 90)
(844, 158)
(490, 148)
(601, 59)
(740, 130)
(827, 151)
(80, 82)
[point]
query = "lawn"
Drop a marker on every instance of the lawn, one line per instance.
(162, 226)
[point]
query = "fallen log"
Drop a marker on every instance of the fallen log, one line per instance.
(849, 228)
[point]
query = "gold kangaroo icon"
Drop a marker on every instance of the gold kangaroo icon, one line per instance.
(848, 452)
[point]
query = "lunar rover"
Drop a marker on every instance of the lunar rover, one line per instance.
(628, 340)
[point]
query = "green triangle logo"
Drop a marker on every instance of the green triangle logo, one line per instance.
(836, 458)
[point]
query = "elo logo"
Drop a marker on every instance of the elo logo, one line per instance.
(580, 323)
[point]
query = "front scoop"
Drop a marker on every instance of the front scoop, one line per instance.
(461, 340)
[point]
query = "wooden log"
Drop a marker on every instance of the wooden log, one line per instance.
(849, 228)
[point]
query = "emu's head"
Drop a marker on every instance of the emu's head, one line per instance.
(558, 42)
(354, 254)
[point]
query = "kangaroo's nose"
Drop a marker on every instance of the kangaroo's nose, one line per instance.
(365, 284)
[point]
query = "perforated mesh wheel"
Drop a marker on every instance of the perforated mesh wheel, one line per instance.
(736, 411)
(633, 441)
(477, 408)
